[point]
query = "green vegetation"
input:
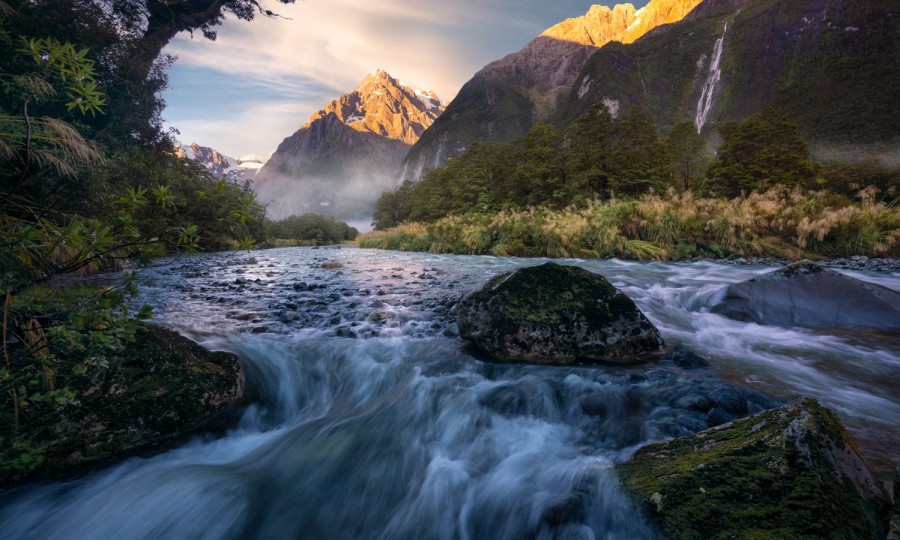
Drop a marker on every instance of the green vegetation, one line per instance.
(613, 188)
(784, 223)
(309, 230)
(758, 153)
(159, 388)
(89, 182)
(789, 473)
(836, 79)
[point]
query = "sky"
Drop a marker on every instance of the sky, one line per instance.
(259, 81)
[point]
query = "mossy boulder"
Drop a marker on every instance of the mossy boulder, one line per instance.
(809, 295)
(556, 314)
(158, 390)
(791, 472)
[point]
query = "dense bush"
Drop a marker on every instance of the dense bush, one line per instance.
(88, 182)
(779, 222)
(309, 229)
(597, 157)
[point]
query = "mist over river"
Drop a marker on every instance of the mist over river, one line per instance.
(372, 423)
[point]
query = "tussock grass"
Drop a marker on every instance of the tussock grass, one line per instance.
(780, 222)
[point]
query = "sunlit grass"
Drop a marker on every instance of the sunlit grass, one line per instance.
(781, 223)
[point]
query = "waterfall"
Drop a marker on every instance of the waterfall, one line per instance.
(704, 105)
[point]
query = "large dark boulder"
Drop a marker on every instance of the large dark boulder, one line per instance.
(809, 295)
(556, 314)
(791, 472)
(158, 390)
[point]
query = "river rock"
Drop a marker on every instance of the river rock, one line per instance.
(556, 314)
(157, 390)
(809, 295)
(791, 472)
(728, 399)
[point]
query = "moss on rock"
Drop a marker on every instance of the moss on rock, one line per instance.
(157, 390)
(786, 473)
(556, 314)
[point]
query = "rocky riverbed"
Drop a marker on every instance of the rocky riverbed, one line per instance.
(375, 420)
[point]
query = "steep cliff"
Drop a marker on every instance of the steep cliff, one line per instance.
(831, 66)
(213, 160)
(507, 96)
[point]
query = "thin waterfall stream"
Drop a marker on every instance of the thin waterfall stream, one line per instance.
(704, 104)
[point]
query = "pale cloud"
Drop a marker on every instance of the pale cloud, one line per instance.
(329, 46)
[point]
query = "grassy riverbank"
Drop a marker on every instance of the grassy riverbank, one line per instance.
(783, 223)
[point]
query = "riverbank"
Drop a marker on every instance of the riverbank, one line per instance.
(372, 422)
(779, 224)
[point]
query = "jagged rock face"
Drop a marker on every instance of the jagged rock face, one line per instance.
(349, 152)
(597, 27)
(656, 14)
(213, 160)
(830, 66)
(556, 314)
(235, 170)
(791, 472)
(381, 105)
(507, 96)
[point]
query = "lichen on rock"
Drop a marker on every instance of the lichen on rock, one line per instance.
(556, 314)
(791, 472)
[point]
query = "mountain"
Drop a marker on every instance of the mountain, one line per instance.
(831, 66)
(349, 152)
(213, 160)
(239, 169)
(505, 98)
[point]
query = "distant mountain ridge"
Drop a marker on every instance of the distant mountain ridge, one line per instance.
(235, 169)
(340, 161)
(507, 96)
(212, 159)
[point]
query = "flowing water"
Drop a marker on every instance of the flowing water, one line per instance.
(704, 104)
(374, 424)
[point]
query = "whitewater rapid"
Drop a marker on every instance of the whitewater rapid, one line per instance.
(373, 423)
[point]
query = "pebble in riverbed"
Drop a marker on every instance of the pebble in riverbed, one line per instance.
(321, 291)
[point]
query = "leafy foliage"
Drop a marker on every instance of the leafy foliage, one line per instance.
(758, 153)
(88, 182)
(598, 156)
(309, 229)
(779, 222)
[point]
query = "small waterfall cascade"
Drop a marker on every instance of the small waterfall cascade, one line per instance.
(704, 104)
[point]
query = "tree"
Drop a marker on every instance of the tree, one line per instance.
(685, 148)
(758, 153)
(151, 24)
(55, 224)
(539, 173)
(638, 161)
(312, 229)
(589, 142)
(391, 208)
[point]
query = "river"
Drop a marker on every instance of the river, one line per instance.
(373, 423)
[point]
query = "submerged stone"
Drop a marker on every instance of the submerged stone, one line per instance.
(728, 399)
(791, 472)
(688, 359)
(556, 314)
(809, 295)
